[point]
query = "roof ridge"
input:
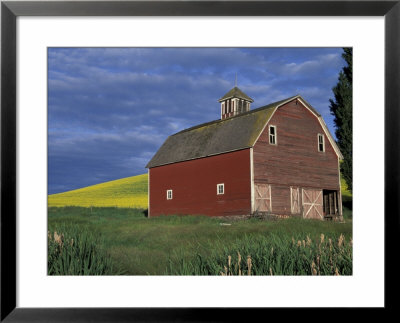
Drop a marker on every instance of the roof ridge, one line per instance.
(270, 105)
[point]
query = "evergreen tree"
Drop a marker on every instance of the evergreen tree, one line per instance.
(342, 109)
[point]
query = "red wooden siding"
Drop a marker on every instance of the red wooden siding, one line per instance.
(295, 160)
(194, 185)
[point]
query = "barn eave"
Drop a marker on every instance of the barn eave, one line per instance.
(194, 158)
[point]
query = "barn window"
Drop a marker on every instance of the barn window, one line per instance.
(321, 142)
(272, 135)
(169, 194)
(220, 189)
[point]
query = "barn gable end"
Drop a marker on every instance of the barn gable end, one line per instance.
(294, 167)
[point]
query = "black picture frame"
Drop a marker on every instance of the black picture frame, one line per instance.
(10, 10)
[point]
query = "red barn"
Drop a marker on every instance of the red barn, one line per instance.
(279, 159)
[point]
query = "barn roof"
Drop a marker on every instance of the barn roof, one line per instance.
(236, 93)
(222, 136)
(216, 137)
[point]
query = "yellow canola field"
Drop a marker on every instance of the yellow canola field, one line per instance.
(125, 192)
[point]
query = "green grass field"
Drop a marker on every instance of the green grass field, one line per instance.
(102, 230)
(188, 244)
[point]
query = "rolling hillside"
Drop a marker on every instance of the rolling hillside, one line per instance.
(124, 192)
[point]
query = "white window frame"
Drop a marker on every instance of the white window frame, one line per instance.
(223, 189)
(169, 197)
(275, 135)
(320, 135)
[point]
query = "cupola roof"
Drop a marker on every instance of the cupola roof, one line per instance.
(236, 93)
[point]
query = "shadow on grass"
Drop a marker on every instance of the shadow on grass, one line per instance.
(348, 204)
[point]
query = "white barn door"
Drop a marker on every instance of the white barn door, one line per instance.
(263, 197)
(312, 204)
(294, 200)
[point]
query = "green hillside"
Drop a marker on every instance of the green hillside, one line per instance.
(124, 192)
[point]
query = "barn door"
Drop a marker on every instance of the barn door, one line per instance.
(263, 197)
(312, 204)
(330, 203)
(294, 200)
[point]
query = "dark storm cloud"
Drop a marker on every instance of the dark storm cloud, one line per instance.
(110, 109)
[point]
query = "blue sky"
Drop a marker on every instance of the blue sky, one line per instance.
(110, 109)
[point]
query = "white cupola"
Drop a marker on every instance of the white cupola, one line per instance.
(234, 102)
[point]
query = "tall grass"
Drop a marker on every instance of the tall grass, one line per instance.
(199, 245)
(76, 251)
(270, 255)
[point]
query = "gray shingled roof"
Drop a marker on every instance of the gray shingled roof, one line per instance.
(236, 93)
(216, 137)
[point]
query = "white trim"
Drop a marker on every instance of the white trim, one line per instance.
(223, 189)
(168, 197)
(270, 197)
(340, 191)
(148, 192)
(252, 181)
(236, 97)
